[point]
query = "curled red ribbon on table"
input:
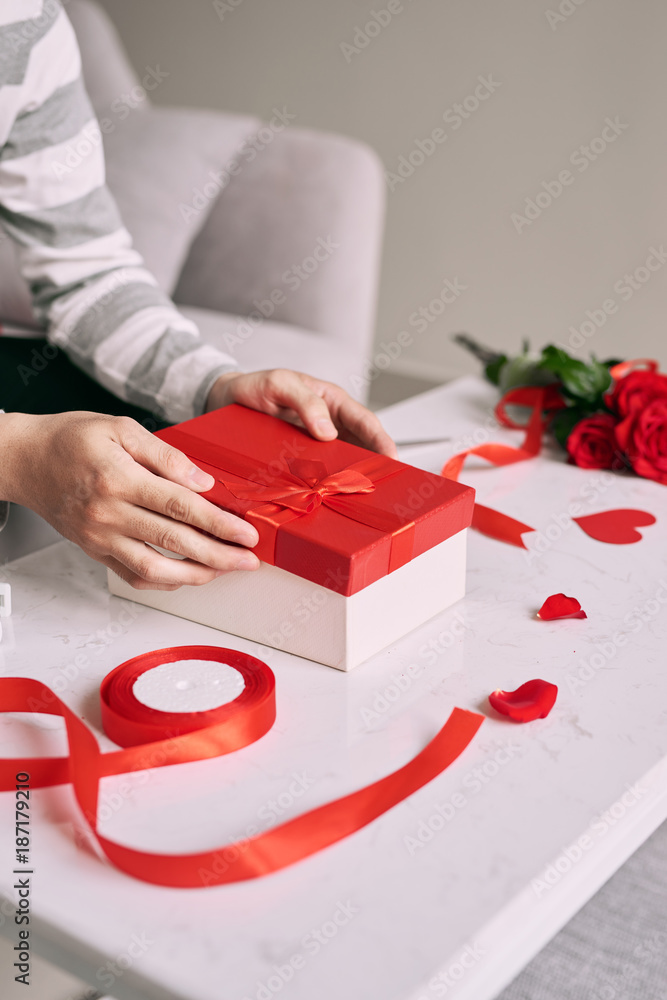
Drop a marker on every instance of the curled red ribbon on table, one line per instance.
(154, 739)
(541, 400)
(285, 495)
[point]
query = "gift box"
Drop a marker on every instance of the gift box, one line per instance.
(357, 549)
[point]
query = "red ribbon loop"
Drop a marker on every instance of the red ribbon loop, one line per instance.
(624, 368)
(155, 739)
(310, 474)
(540, 400)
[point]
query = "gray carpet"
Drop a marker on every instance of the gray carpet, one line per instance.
(616, 946)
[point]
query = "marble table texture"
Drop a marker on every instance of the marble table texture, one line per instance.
(452, 891)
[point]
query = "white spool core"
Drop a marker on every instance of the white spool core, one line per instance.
(188, 686)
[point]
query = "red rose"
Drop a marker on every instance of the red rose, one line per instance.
(635, 390)
(643, 437)
(592, 443)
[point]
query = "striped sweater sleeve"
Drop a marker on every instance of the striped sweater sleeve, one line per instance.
(4, 507)
(89, 286)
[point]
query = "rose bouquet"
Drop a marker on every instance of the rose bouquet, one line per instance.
(610, 414)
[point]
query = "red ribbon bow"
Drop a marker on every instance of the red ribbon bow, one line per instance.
(282, 496)
(308, 473)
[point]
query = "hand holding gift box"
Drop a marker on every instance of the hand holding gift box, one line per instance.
(357, 548)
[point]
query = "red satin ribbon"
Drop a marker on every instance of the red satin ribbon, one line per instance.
(624, 368)
(155, 739)
(288, 495)
(319, 486)
(540, 400)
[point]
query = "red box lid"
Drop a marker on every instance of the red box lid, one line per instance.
(341, 540)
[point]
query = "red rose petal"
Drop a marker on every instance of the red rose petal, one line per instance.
(560, 606)
(615, 526)
(533, 700)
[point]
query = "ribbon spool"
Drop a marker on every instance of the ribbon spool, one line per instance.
(154, 738)
(130, 722)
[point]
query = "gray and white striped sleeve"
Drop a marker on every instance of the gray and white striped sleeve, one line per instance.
(4, 507)
(89, 286)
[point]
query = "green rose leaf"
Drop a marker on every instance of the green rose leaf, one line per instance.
(580, 381)
(492, 370)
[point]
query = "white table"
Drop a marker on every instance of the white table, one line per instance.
(375, 917)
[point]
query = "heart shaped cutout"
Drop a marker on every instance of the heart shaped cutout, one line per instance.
(618, 527)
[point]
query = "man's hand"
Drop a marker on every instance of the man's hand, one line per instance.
(324, 409)
(109, 485)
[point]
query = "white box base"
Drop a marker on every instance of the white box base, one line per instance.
(280, 609)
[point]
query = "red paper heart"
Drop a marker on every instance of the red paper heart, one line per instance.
(618, 527)
(533, 700)
(560, 606)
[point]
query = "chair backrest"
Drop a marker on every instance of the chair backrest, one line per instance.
(106, 69)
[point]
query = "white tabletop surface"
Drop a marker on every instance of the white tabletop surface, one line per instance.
(461, 913)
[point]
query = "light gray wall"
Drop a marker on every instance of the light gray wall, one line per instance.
(557, 77)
